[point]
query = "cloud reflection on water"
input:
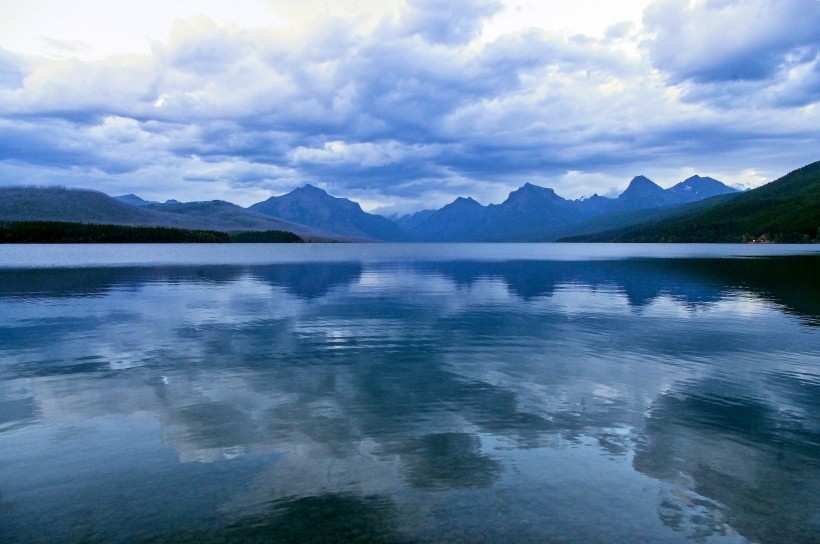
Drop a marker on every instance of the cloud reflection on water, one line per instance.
(364, 380)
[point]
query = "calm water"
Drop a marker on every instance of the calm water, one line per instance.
(380, 393)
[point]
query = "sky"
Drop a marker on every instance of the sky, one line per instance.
(403, 105)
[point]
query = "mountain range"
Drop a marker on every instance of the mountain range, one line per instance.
(86, 206)
(530, 213)
(785, 210)
(533, 213)
(312, 206)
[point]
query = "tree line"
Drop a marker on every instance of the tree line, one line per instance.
(58, 232)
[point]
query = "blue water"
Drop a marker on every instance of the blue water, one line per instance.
(410, 393)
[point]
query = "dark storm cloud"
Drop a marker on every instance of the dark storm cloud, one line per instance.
(53, 143)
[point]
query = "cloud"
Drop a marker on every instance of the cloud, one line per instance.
(726, 40)
(54, 143)
(445, 22)
(12, 71)
(401, 108)
(365, 155)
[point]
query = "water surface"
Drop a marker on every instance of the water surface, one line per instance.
(379, 393)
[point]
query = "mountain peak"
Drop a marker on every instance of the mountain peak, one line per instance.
(311, 193)
(699, 187)
(641, 187)
(462, 205)
(701, 180)
(642, 180)
(528, 190)
(309, 205)
(133, 200)
(308, 188)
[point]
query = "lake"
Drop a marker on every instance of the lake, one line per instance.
(410, 393)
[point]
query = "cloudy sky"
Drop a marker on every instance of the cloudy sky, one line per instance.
(404, 104)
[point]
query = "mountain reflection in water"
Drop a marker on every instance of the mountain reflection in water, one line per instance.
(667, 400)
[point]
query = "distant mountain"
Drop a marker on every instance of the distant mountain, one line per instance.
(312, 206)
(134, 200)
(72, 205)
(412, 220)
(529, 210)
(697, 188)
(607, 227)
(785, 210)
(455, 222)
(642, 192)
(85, 206)
(530, 213)
(224, 216)
(533, 213)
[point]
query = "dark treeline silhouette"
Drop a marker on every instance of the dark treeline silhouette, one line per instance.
(58, 232)
(267, 236)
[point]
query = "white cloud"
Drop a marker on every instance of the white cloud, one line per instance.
(91, 29)
(405, 104)
(362, 154)
(731, 40)
(590, 17)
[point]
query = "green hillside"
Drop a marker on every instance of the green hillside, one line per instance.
(786, 210)
(604, 228)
